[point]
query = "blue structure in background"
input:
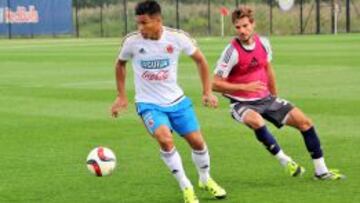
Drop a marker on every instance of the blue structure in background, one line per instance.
(35, 17)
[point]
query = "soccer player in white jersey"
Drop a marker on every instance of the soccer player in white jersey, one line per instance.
(244, 74)
(154, 51)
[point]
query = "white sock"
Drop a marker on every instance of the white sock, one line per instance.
(283, 158)
(201, 160)
(320, 166)
(173, 161)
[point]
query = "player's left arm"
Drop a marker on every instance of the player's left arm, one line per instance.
(189, 47)
(209, 99)
(272, 79)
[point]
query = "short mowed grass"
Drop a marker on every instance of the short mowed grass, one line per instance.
(55, 96)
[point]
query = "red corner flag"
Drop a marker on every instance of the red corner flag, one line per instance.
(224, 11)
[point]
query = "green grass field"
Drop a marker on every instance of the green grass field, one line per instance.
(55, 96)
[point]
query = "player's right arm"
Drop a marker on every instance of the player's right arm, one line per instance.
(228, 59)
(223, 86)
(121, 101)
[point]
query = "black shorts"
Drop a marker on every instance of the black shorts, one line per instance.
(270, 108)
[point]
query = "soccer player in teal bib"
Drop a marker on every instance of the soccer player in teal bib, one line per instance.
(245, 76)
(154, 52)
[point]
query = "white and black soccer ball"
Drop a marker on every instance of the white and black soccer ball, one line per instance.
(286, 5)
(101, 161)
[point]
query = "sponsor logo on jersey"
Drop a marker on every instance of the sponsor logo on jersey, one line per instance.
(170, 49)
(254, 62)
(157, 76)
(155, 64)
(142, 51)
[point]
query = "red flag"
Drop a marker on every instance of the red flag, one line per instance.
(224, 11)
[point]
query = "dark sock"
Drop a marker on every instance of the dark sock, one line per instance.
(312, 143)
(268, 140)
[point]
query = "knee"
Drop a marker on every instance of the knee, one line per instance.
(195, 141)
(199, 146)
(254, 120)
(305, 124)
(166, 144)
(164, 138)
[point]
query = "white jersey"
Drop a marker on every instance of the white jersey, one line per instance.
(230, 57)
(155, 64)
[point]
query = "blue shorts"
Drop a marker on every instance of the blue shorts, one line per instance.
(180, 117)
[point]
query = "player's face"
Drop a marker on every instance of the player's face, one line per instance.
(244, 28)
(149, 26)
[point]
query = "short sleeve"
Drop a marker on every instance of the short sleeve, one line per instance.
(125, 52)
(187, 43)
(226, 62)
(266, 43)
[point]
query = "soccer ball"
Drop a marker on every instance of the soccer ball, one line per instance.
(286, 5)
(101, 161)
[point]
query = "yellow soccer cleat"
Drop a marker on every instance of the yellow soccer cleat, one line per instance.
(333, 174)
(189, 196)
(214, 189)
(294, 169)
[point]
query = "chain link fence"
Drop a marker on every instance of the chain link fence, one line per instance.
(202, 17)
(115, 18)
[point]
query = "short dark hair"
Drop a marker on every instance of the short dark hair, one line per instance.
(147, 7)
(241, 12)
